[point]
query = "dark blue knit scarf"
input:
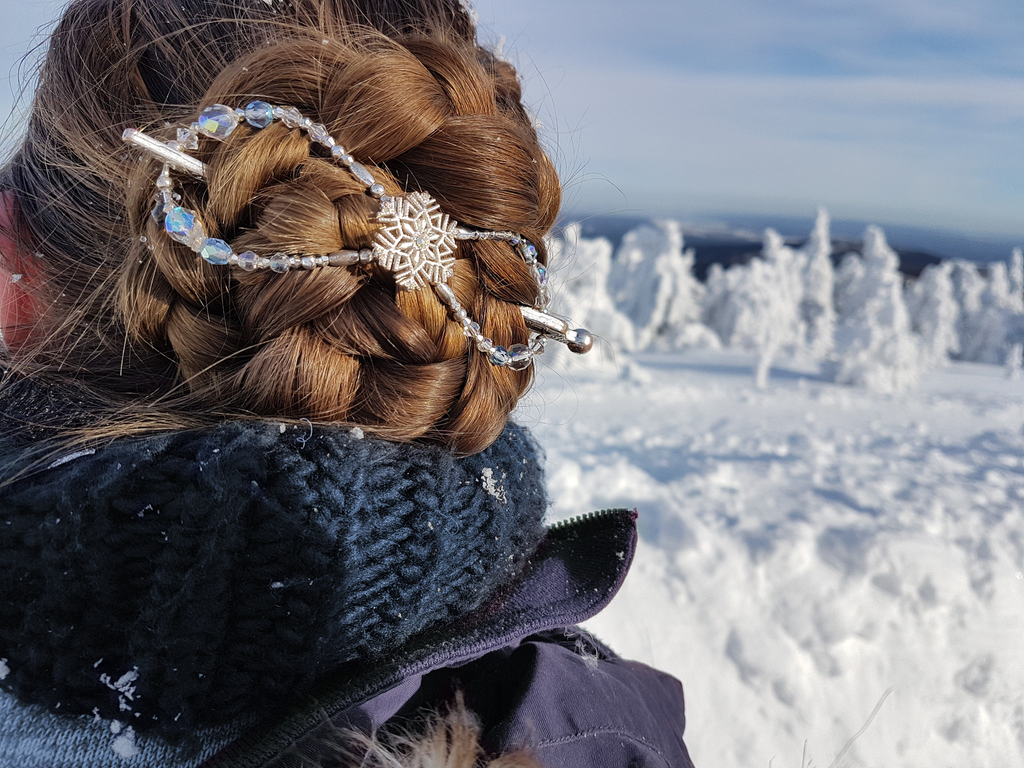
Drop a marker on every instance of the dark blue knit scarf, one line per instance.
(181, 579)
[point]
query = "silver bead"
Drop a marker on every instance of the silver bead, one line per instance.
(461, 314)
(446, 293)
(377, 190)
(579, 340)
(308, 262)
(361, 173)
(343, 258)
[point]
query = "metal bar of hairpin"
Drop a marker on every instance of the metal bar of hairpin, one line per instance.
(169, 155)
(546, 323)
(578, 340)
(537, 320)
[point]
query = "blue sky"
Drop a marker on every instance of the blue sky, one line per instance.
(895, 111)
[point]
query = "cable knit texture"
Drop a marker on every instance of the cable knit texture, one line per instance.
(178, 580)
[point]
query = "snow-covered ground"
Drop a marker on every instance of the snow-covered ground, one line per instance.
(835, 574)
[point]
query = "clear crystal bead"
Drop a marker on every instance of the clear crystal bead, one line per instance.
(259, 114)
(500, 356)
(180, 223)
(291, 117)
(543, 296)
(247, 261)
(158, 209)
(520, 357)
(217, 121)
(318, 132)
(215, 251)
(279, 262)
(542, 275)
(187, 139)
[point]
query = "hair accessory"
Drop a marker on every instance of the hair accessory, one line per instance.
(416, 240)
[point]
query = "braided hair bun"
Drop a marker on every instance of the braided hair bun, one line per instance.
(424, 109)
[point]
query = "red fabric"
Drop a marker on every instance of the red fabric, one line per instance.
(18, 307)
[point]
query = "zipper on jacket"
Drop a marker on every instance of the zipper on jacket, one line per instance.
(591, 517)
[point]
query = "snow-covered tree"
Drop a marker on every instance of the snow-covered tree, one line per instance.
(874, 346)
(1014, 361)
(992, 310)
(756, 306)
(968, 285)
(582, 266)
(652, 283)
(1016, 277)
(816, 307)
(934, 313)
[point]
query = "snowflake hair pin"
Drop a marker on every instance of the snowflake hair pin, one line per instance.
(416, 240)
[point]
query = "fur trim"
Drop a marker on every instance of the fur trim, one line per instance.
(450, 739)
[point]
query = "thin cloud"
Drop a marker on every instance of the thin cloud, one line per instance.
(900, 110)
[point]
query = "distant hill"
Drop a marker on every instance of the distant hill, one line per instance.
(737, 239)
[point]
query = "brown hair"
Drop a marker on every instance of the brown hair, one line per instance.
(165, 340)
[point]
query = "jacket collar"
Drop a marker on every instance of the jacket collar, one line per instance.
(573, 575)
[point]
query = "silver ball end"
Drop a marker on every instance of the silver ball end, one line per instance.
(579, 340)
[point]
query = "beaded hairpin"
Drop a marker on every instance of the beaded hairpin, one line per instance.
(416, 240)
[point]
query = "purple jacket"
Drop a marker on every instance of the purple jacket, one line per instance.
(531, 677)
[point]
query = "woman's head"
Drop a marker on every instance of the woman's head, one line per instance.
(165, 339)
